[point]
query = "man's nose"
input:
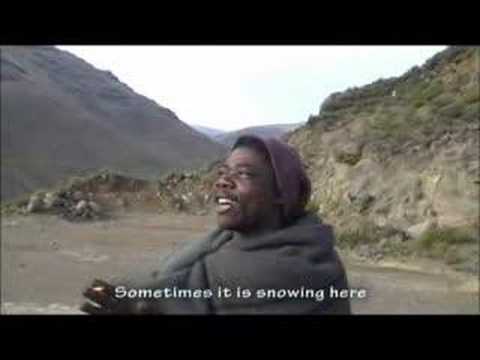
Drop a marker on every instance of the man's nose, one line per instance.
(224, 182)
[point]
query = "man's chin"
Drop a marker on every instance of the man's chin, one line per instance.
(227, 224)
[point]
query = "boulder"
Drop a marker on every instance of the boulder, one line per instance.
(51, 200)
(417, 230)
(120, 202)
(364, 251)
(361, 201)
(350, 153)
(382, 243)
(81, 206)
(94, 207)
(35, 204)
(78, 196)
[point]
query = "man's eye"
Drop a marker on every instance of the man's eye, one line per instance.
(244, 174)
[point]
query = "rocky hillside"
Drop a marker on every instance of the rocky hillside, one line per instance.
(60, 116)
(277, 131)
(399, 159)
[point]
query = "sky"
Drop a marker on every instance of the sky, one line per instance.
(233, 87)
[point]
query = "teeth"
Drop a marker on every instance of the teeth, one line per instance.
(223, 208)
(224, 201)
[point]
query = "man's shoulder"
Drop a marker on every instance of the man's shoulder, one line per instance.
(308, 218)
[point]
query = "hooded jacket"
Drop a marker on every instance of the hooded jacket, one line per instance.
(295, 265)
(286, 271)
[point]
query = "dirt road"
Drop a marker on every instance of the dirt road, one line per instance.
(47, 261)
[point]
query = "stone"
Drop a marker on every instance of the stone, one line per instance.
(382, 243)
(364, 251)
(378, 256)
(400, 237)
(81, 205)
(78, 196)
(94, 206)
(362, 200)
(35, 204)
(350, 153)
(417, 230)
(51, 200)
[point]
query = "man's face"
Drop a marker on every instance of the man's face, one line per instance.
(244, 192)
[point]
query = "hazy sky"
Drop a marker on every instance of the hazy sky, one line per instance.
(232, 87)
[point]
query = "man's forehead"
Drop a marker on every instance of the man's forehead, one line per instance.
(245, 157)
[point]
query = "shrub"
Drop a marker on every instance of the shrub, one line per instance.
(347, 158)
(437, 242)
(312, 207)
(416, 91)
(394, 130)
(453, 110)
(471, 95)
(471, 113)
(418, 103)
(432, 91)
(365, 233)
(443, 100)
(452, 256)
(464, 78)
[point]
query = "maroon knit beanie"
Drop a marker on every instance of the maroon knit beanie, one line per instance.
(290, 176)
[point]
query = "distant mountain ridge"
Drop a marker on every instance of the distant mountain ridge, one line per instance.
(275, 131)
(210, 132)
(60, 115)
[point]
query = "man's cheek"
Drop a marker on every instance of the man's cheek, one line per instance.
(260, 199)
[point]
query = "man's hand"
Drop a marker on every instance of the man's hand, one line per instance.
(101, 299)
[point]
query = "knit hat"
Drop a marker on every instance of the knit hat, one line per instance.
(289, 172)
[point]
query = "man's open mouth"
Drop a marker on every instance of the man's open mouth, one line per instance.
(225, 203)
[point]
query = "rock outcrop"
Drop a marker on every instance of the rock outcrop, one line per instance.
(72, 206)
(400, 153)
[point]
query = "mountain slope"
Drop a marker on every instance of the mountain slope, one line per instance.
(61, 116)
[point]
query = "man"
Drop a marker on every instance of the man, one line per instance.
(267, 255)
